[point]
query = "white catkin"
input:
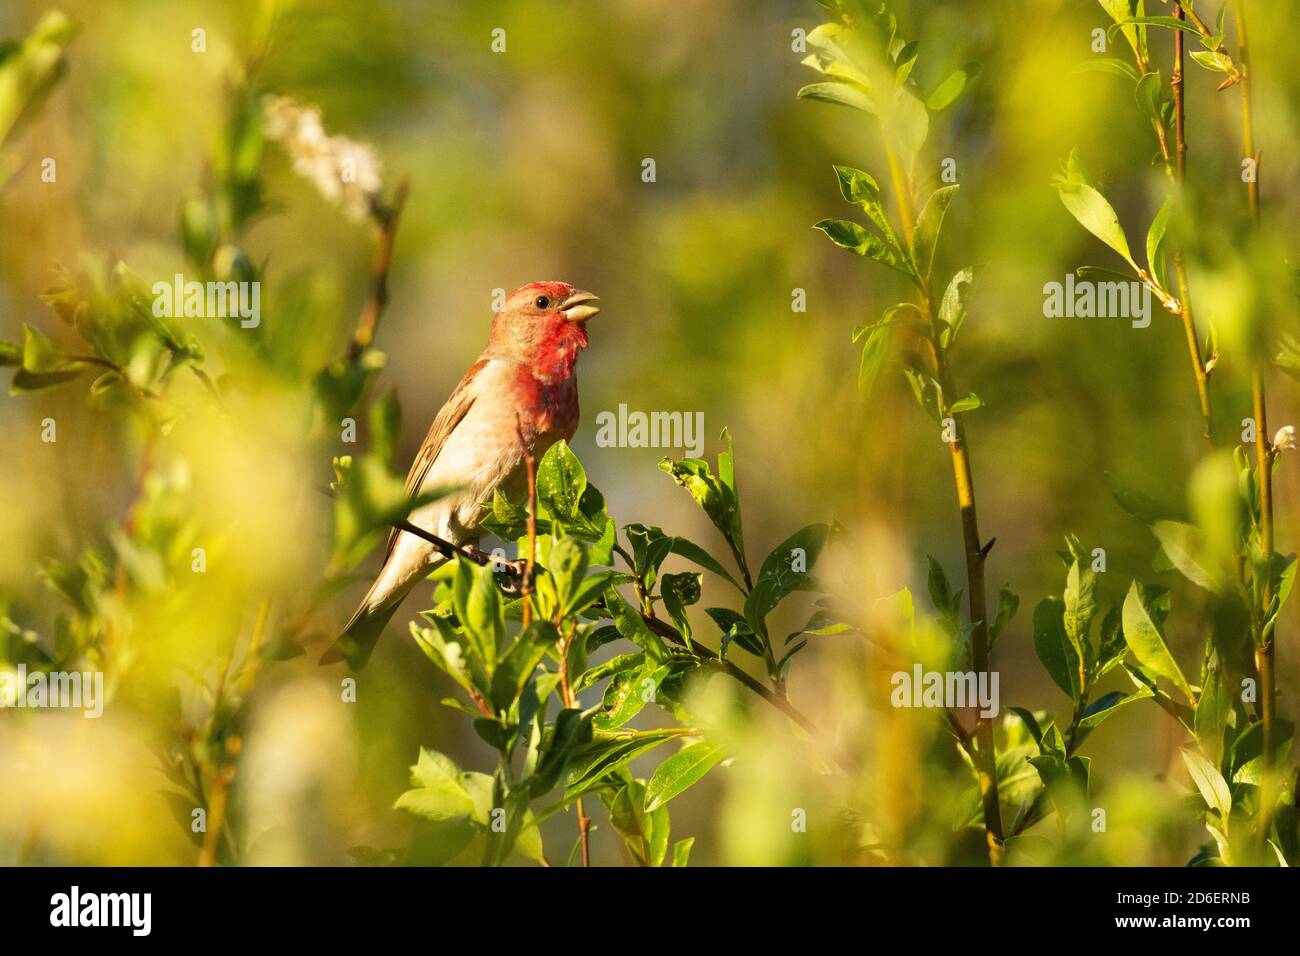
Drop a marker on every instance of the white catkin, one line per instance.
(323, 159)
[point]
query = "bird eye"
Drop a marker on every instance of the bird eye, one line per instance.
(542, 302)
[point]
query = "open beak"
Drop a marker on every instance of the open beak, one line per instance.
(576, 308)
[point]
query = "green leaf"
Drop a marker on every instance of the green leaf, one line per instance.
(628, 693)
(588, 592)
(841, 94)
(1121, 11)
(1148, 92)
(631, 626)
(968, 403)
(928, 392)
(735, 629)
(1171, 23)
(952, 308)
(11, 354)
(1213, 61)
(1054, 647)
(1080, 599)
(567, 563)
(1248, 750)
(561, 480)
(644, 832)
(679, 591)
(44, 365)
(1184, 546)
(693, 552)
(1102, 708)
(860, 189)
(680, 771)
(439, 795)
(572, 731)
(926, 236)
(1008, 604)
(874, 351)
(904, 61)
(650, 546)
(1111, 65)
(1156, 242)
(1144, 610)
(718, 496)
(1030, 722)
(30, 69)
(1208, 780)
(682, 851)
(945, 600)
(857, 239)
(951, 88)
(605, 754)
(478, 607)
(1213, 710)
(1084, 200)
(517, 664)
(1145, 678)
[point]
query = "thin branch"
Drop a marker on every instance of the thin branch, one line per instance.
(530, 467)
(512, 573)
(1263, 456)
(985, 755)
(386, 217)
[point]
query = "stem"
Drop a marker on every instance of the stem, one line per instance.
(660, 627)
(901, 192)
(985, 756)
(530, 466)
(986, 764)
(387, 217)
(1263, 458)
(217, 819)
(571, 700)
(1199, 372)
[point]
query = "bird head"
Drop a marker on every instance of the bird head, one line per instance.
(544, 325)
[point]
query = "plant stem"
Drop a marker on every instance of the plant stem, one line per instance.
(660, 627)
(571, 700)
(386, 216)
(1199, 372)
(530, 468)
(986, 764)
(217, 818)
(985, 756)
(1263, 457)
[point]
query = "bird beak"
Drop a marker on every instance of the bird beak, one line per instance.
(576, 308)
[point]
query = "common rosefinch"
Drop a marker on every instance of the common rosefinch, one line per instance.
(524, 385)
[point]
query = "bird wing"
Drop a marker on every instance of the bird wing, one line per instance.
(455, 409)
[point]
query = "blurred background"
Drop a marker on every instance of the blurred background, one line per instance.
(526, 165)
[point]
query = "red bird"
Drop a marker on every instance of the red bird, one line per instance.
(525, 381)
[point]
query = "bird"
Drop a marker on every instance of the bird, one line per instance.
(521, 392)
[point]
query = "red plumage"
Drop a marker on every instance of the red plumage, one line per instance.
(524, 385)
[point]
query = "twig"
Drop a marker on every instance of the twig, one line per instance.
(1263, 459)
(571, 700)
(530, 466)
(1184, 294)
(985, 756)
(513, 575)
(386, 216)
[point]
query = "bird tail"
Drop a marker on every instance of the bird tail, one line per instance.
(360, 636)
